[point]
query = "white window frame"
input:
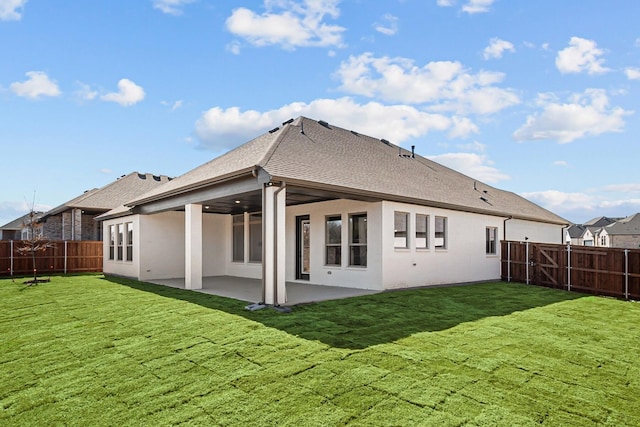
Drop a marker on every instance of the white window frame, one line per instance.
(419, 234)
(400, 237)
(444, 233)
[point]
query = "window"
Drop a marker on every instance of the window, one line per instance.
(119, 240)
(492, 233)
(238, 238)
(422, 231)
(333, 240)
(358, 240)
(129, 226)
(441, 232)
(255, 237)
(400, 230)
(112, 241)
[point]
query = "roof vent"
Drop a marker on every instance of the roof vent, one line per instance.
(287, 122)
(274, 130)
(157, 178)
(142, 176)
(384, 141)
(355, 133)
(323, 123)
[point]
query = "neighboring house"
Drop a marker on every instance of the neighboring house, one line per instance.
(579, 235)
(74, 220)
(313, 203)
(19, 228)
(624, 233)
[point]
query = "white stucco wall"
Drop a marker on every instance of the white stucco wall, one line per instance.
(162, 249)
(463, 260)
(369, 277)
(535, 231)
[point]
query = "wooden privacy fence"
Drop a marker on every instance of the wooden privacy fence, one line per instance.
(601, 271)
(67, 256)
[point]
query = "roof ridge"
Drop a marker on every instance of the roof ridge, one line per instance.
(278, 140)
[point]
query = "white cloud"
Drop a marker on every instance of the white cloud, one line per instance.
(85, 93)
(234, 47)
(496, 48)
(36, 86)
(475, 147)
(477, 166)
(174, 105)
(106, 171)
(562, 163)
(623, 188)
(581, 55)
(11, 10)
(632, 73)
(221, 129)
(580, 207)
(389, 27)
(445, 85)
(171, 7)
(128, 93)
(477, 6)
(585, 114)
(289, 24)
(471, 7)
(462, 127)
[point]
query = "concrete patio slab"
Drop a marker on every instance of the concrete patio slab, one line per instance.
(250, 290)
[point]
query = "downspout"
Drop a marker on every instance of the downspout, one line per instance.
(283, 185)
(264, 250)
(504, 228)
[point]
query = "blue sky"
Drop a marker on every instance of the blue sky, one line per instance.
(536, 97)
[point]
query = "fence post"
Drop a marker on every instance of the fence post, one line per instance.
(11, 256)
(508, 261)
(527, 259)
(569, 267)
(626, 273)
(65, 257)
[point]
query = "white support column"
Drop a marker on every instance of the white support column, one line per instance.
(274, 253)
(281, 253)
(193, 246)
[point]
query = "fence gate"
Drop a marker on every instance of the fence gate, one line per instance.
(548, 265)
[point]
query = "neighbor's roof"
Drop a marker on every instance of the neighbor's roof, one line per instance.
(626, 226)
(114, 194)
(601, 221)
(308, 152)
(576, 231)
(19, 223)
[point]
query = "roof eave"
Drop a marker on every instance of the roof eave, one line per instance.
(417, 201)
(196, 186)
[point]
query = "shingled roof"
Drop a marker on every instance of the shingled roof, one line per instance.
(114, 194)
(627, 226)
(315, 153)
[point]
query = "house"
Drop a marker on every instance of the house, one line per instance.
(589, 233)
(20, 229)
(74, 220)
(313, 203)
(624, 233)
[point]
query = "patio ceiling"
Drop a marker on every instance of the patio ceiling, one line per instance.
(252, 201)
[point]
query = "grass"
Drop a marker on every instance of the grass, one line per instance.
(85, 350)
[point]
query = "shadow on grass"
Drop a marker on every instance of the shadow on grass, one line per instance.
(360, 322)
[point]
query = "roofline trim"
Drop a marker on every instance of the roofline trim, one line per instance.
(422, 202)
(253, 170)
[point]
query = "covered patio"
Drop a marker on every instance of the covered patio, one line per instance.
(250, 290)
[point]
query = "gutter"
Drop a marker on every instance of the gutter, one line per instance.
(194, 186)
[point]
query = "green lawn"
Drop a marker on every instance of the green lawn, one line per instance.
(85, 350)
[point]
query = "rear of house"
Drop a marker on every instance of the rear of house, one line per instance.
(314, 203)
